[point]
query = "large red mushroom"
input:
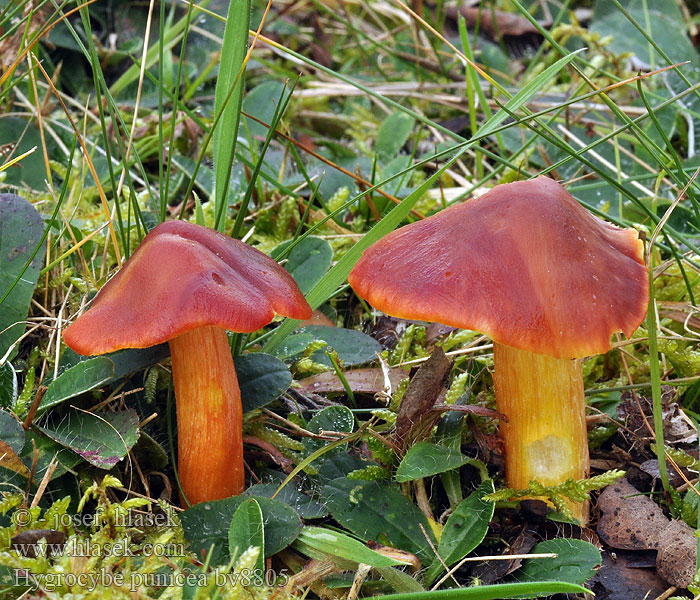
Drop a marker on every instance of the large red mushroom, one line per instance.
(527, 265)
(186, 285)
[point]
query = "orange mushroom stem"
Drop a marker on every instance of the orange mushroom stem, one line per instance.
(186, 285)
(546, 280)
(209, 415)
(545, 437)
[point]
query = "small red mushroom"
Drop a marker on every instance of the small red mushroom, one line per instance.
(546, 280)
(185, 285)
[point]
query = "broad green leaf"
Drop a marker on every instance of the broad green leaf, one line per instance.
(207, 524)
(227, 101)
(495, 592)
(246, 530)
(8, 386)
(375, 510)
(424, 459)
(576, 562)
(21, 229)
(94, 372)
(260, 102)
(47, 450)
(29, 172)
(666, 26)
(331, 418)
(262, 379)
(102, 439)
(399, 580)
(392, 134)
(307, 262)
(353, 347)
(464, 531)
(332, 466)
(305, 505)
(11, 431)
(318, 542)
(293, 345)
(11, 444)
(339, 273)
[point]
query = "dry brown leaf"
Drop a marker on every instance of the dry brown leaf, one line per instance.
(421, 394)
(634, 522)
(26, 542)
(362, 381)
(629, 521)
(10, 460)
(681, 312)
(622, 577)
(678, 549)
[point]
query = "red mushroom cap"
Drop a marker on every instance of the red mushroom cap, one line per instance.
(525, 264)
(184, 276)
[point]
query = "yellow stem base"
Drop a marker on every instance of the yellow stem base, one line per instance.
(545, 437)
(209, 415)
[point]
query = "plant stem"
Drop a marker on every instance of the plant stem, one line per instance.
(209, 415)
(545, 438)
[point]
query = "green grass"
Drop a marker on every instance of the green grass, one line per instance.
(341, 121)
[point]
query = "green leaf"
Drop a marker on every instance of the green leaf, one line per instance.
(494, 592)
(8, 385)
(392, 134)
(666, 26)
(307, 262)
(261, 102)
(227, 100)
(293, 345)
(375, 510)
(21, 229)
(305, 505)
(207, 524)
(353, 347)
(262, 379)
(246, 530)
(465, 530)
(30, 172)
(399, 580)
(95, 372)
(331, 418)
(47, 450)
(332, 466)
(11, 431)
(576, 562)
(424, 459)
(102, 439)
(318, 542)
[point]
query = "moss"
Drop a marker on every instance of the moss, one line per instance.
(121, 553)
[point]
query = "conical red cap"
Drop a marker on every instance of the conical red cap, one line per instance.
(525, 264)
(184, 276)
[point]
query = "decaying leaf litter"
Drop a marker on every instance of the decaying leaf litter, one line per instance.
(372, 451)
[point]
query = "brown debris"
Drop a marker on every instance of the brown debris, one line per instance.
(629, 521)
(634, 522)
(622, 577)
(421, 394)
(677, 551)
(26, 543)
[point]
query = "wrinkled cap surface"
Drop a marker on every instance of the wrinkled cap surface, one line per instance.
(184, 276)
(525, 264)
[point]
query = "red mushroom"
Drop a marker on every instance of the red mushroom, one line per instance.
(546, 280)
(185, 285)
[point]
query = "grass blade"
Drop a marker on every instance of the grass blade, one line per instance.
(228, 99)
